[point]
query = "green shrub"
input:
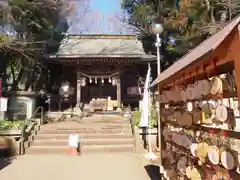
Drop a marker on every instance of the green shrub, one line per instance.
(153, 117)
(137, 117)
(15, 125)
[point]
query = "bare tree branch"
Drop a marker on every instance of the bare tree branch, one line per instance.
(134, 25)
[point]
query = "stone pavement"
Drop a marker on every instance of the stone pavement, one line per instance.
(117, 166)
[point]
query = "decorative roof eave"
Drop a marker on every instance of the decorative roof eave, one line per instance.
(80, 56)
(102, 36)
(96, 61)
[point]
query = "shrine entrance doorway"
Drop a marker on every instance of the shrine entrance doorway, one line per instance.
(97, 90)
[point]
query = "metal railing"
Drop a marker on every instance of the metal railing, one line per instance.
(21, 134)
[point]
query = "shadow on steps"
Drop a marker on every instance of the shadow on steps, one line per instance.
(4, 162)
(8, 150)
(153, 172)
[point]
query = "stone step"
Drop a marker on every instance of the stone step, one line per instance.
(93, 127)
(99, 125)
(106, 129)
(96, 121)
(84, 131)
(112, 123)
(85, 136)
(90, 142)
(85, 149)
(83, 126)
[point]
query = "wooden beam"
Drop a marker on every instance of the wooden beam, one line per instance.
(223, 54)
(78, 95)
(209, 70)
(119, 92)
(236, 52)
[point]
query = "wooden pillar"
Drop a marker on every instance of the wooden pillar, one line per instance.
(78, 96)
(234, 49)
(236, 57)
(119, 92)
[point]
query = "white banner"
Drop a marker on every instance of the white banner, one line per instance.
(144, 121)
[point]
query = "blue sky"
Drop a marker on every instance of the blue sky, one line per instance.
(102, 18)
(107, 7)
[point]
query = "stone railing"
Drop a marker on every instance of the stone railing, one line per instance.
(13, 141)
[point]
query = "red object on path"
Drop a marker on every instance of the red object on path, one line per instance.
(225, 134)
(73, 151)
(73, 145)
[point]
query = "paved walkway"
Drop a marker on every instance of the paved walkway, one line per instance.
(87, 167)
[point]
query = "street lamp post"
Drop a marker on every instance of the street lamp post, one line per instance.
(158, 29)
(158, 45)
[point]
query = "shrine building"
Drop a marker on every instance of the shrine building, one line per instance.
(101, 67)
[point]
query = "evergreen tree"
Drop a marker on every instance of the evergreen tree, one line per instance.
(186, 22)
(29, 30)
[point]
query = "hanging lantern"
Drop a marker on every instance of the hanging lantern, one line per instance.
(83, 82)
(114, 81)
(95, 80)
(102, 80)
(65, 90)
(90, 80)
(65, 87)
(110, 80)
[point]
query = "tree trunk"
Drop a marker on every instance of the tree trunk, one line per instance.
(25, 77)
(230, 9)
(3, 63)
(13, 73)
(210, 11)
(16, 82)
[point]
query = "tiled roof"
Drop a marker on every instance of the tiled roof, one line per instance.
(100, 46)
(197, 53)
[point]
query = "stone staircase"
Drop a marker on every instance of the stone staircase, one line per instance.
(108, 133)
